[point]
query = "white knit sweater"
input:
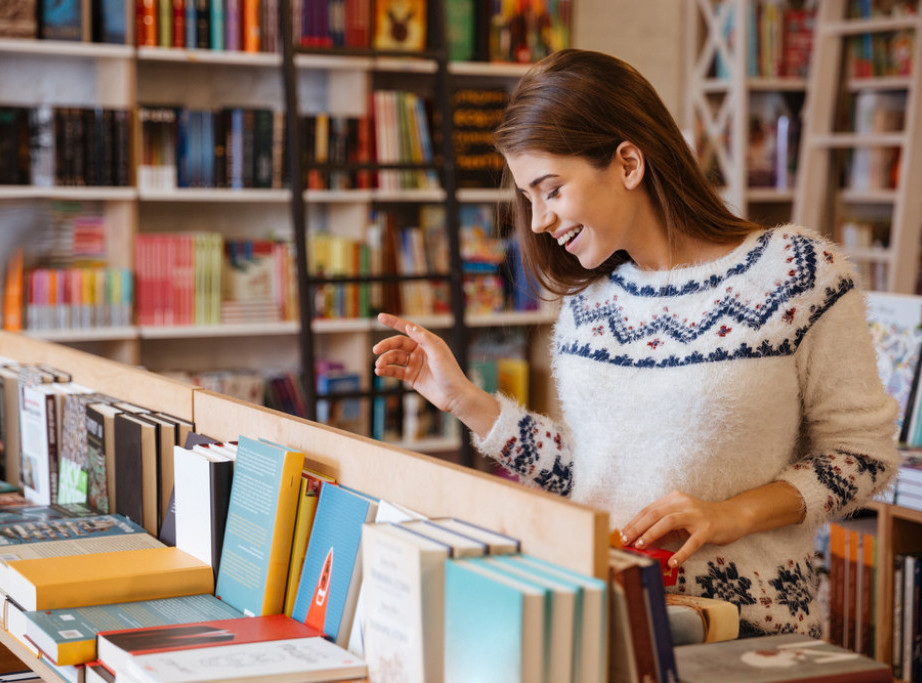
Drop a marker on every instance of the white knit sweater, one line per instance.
(712, 380)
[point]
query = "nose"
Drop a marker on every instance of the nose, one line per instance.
(542, 218)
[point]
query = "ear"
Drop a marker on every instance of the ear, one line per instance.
(630, 163)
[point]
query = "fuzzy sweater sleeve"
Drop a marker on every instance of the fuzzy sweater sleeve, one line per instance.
(849, 421)
(529, 445)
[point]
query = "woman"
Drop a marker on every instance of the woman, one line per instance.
(717, 380)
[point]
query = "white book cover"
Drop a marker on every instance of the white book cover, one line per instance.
(403, 607)
(300, 660)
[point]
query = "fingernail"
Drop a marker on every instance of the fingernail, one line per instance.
(673, 562)
(624, 539)
(639, 543)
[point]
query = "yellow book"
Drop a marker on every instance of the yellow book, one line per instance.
(311, 482)
(106, 578)
(721, 618)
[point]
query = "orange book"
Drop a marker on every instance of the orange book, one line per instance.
(251, 27)
(147, 23)
(12, 293)
(106, 578)
(837, 563)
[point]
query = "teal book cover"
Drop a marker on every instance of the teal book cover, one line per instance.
(328, 589)
(499, 619)
(68, 635)
(260, 524)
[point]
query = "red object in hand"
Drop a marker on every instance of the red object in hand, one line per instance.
(670, 574)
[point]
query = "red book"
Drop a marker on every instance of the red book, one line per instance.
(179, 23)
(115, 648)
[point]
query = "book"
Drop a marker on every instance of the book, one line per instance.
(770, 659)
(39, 444)
(69, 635)
(403, 604)
(106, 578)
(100, 454)
(136, 469)
(497, 543)
(308, 495)
(201, 500)
(75, 536)
(592, 623)
(461, 545)
(498, 617)
(386, 511)
(297, 660)
(117, 648)
(720, 619)
(9, 423)
(652, 578)
(331, 578)
(559, 616)
(19, 19)
(65, 20)
(260, 523)
(73, 465)
(636, 635)
(400, 25)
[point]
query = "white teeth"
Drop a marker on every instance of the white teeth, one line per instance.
(568, 235)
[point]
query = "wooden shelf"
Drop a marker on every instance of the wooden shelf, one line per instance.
(106, 194)
(216, 57)
(222, 330)
(121, 333)
(182, 194)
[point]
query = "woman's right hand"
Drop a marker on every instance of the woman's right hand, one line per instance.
(424, 361)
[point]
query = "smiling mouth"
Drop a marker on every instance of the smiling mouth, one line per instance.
(568, 236)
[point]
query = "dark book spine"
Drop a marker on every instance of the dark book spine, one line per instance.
(202, 24)
(128, 470)
(249, 147)
(262, 148)
(221, 476)
(92, 156)
(220, 147)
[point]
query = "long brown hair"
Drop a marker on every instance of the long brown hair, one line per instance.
(584, 103)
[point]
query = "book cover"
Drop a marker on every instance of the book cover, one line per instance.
(69, 635)
(496, 616)
(328, 589)
(461, 545)
(652, 577)
(260, 523)
(592, 624)
(78, 536)
(721, 619)
(298, 659)
(136, 468)
(106, 578)
(308, 495)
(9, 423)
(626, 576)
(497, 543)
(65, 20)
(117, 647)
(100, 455)
(201, 499)
(18, 19)
(559, 616)
(773, 659)
(403, 604)
(73, 465)
(111, 21)
(400, 25)
(38, 429)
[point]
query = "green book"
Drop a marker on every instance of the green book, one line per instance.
(68, 635)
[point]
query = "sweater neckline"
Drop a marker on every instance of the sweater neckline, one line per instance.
(628, 272)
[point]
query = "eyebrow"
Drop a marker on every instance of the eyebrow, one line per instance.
(537, 181)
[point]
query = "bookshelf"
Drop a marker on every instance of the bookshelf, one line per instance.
(863, 116)
(135, 78)
(432, 73)
(746, 84)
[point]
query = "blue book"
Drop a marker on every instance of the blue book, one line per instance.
(331, 576)
(191, 24)
(216, 24)
(591, 628)
(64, 20)
(260, 525)
(655, 594)
(498, 617)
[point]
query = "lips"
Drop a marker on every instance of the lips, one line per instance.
(568, 236)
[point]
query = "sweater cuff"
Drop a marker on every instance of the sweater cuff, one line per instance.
(814, 494)
(510, 412)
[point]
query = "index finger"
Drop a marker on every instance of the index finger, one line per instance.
(393, 321)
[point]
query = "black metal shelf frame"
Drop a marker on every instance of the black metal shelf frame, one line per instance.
(442, 96)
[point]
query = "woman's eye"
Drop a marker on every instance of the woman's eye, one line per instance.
(553, 193)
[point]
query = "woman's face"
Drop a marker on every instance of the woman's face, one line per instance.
(588, 211)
